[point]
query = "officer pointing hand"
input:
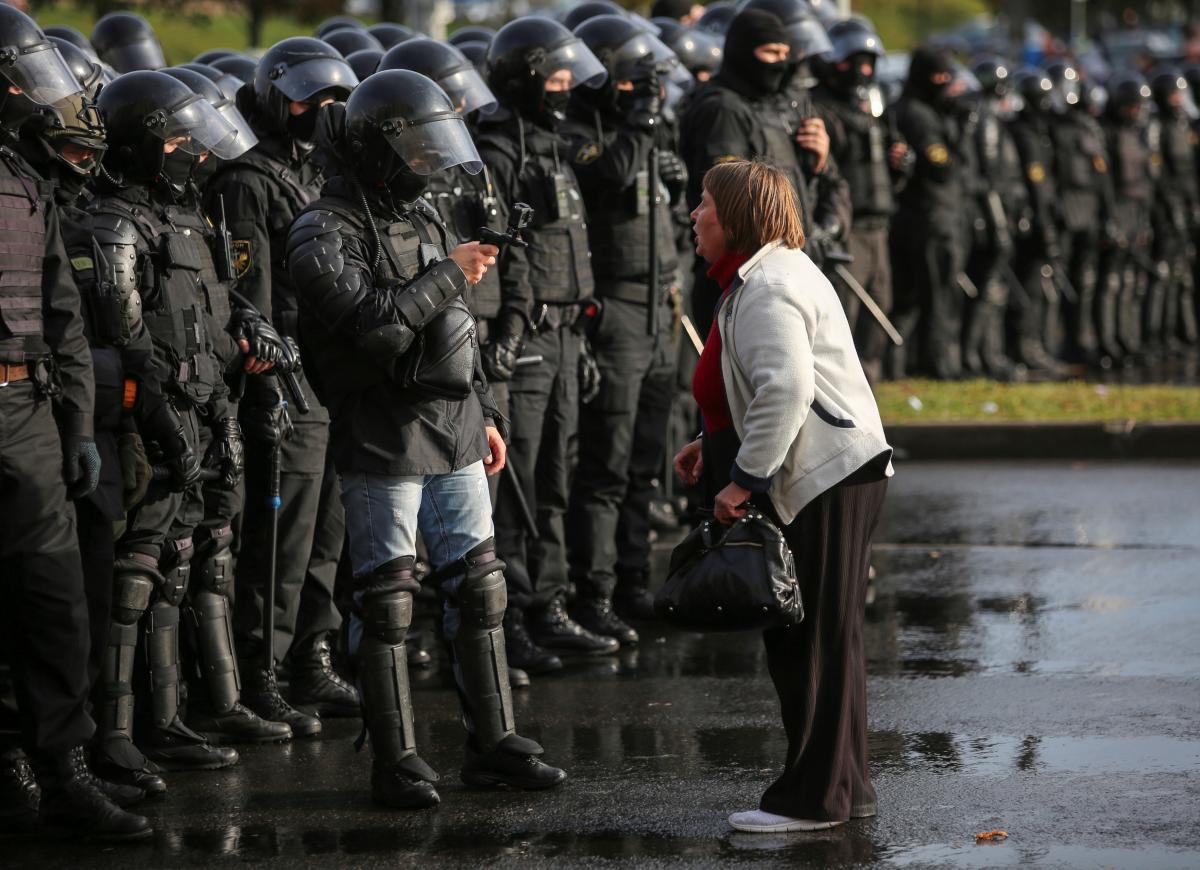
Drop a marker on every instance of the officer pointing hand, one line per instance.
(474, 258)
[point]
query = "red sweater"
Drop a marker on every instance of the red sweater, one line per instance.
(708, 384)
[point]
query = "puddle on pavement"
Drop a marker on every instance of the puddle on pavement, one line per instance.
(1013, 853)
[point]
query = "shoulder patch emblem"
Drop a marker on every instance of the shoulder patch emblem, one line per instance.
(1099, 165)
(938, 154)
(242, 261)
(728, 158)
(82, 264)
(588, 152)
(1036, 172)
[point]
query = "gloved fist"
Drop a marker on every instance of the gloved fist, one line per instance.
(81, 466)
(136, 472)
(502, 351)
(258, 339)
(227, 452)
(672, 173)
(267, 424)
(178, 458)
(589, 374)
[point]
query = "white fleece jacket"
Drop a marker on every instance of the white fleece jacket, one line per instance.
(801, 405)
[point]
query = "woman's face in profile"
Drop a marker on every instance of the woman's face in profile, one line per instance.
(710, 235)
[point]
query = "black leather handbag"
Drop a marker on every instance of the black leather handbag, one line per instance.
(740, 577)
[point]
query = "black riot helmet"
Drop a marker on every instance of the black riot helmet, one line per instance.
(627, 50)
(144, 111)
(364, 62)
(1068, 84)
(126, 42)
(994, 76)
(399, 122)
(447, 66)
(348, 40)
(71, 129)
(717, 17)
(853, 36)
(1128, 94)
(476, 53)
(806, 35)
(1171, 91)
(206, 87)
(299, 70)
(581, 12)
(1036, 89)
(528, 51)
(390, 34)
(698, 50)
(337, 22)
(228, 83)
(31, 62)
(472, 33)
(237, 65)
(214, 54)
(73, 36)
(856, 47)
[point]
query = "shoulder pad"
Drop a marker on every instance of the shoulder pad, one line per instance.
(109, 228)
(312, 225)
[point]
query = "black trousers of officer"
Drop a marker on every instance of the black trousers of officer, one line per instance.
(45, 617)
(544, 405)
(312, 529)
(872, 267)
(1081, 256)
(622, 435)
(929, 303)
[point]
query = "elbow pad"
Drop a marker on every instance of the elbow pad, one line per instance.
(423, 298)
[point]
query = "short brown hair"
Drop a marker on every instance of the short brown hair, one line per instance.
(756, 204)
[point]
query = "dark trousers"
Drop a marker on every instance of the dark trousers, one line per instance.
(97, 551)
(819, 666)
(1081, 254)
(872, 268)
(312, 528)
(45, 615)
(928, 300)
(622, 434)
(544, 404)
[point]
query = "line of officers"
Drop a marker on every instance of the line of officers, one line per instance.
(178, 240)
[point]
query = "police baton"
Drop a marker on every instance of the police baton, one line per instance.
(865, 298)
(274, 502)
(161, 474)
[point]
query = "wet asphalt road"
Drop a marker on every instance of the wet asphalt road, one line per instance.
(1035, 666)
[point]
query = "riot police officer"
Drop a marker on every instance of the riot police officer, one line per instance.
(44, 360)
(873, 161)
(258, 195)
(127, 42)
(154, 241)
(616, 146)
(393, 355)
(533, 65)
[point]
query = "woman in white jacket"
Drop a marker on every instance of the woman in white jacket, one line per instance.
(791, 426)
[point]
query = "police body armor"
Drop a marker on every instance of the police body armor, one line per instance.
(465, 203)
(865, 164)
(559, 256)
(1079, 165)
(440, 364)
(177, 274)
(1134, 173)
(1178, 143)
(23, 203)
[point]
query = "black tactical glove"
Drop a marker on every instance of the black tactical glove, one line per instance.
(175, 454)
(81, 466)
(226, 453)
(503, 349)
(589, 374)
(672, 173)
(136, 472)
(264, 417)
(265, 343)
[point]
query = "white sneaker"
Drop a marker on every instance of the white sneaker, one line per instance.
(760, 822)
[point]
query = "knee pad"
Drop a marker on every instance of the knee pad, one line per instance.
(212, 564)
(482, 596)
(135, 577)
(176, 566)
(387, 600)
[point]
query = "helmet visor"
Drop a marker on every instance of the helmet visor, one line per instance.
(435, 144)
(146, 54)
(196, 127)
(245, 135)
(856, 42)
(808, 39)
(40, 72)
(300, 82)
(573, 56)
(468, 91)
(641, 55)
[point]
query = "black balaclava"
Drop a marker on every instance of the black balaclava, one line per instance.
(926, 63)
(750, 29)
(406, 185)
(179, 168)
(303, 127)
(553, 109)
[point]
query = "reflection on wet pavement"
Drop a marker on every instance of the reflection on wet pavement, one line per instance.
(1034, 666)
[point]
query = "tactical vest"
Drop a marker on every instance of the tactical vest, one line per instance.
(1178, 143)
(23, 204)
(440, 364)
(177, 281)
(865, 165)
(559, 257)
(465, 203)
(779, 147)
(1134, 175)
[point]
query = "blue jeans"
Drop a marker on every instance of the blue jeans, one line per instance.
(453, 513)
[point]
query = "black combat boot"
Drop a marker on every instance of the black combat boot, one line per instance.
(558, 633)
(597, 616)
(73, 802)
(523, 653)
(260, 692)
(178, 747)
(19, 794)
(116, 760)
(406, 784)
(238, 724)
(515, 761)
(633, 598)
(316, 686)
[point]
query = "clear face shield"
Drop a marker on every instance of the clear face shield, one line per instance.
(433, 144)
(300, 82)
(574, 57)
(40, 72)
(245, 135)
(196, 127)
(468, 92)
